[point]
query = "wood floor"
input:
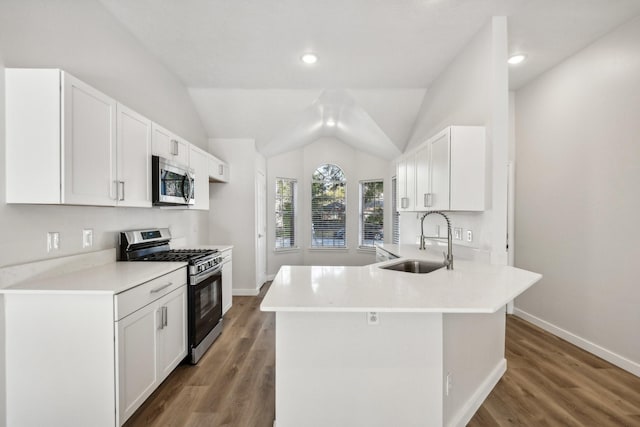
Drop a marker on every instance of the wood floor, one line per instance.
(548, 382)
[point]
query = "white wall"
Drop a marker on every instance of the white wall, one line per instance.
(232, 211)
(300, 164)
(577, 199)
(472, 90)
(84, 39)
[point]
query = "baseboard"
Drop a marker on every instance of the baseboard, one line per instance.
(608, 355)
(245, 292)
(468, 410)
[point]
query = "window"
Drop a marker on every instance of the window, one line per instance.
(286, 213)
(395, 233)
(371, 213)
(328, 207)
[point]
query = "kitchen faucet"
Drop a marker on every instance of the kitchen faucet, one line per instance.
(448, 257)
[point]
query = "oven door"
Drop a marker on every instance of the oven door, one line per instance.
(205, 306)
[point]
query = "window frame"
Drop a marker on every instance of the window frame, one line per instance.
(294, 225)
(343, 182)
(362, 213)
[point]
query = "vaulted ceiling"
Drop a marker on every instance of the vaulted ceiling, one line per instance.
(241, 59)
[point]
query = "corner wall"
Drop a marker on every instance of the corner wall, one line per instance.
(472, 90)
(577, 199)
(83, 38)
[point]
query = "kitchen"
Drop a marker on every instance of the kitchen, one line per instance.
(557, 242)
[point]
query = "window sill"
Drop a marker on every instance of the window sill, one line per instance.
(335, 249)
(286, 250)
(367, 249)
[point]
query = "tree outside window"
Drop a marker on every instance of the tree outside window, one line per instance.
(371, 213)
(328, 207)
(285, 213)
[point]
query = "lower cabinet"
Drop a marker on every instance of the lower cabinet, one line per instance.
(227, 280)
(151, 343)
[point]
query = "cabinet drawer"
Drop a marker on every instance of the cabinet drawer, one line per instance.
(135, 298)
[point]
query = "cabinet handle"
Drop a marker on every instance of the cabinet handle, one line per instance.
(428, 200)
(165, 316)
(122, 194)
(404, 202)
(220, 169)
(153, 291)
(175, 149)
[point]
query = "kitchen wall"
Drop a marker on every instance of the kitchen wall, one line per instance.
(232, 212)
(83, 38)
(300, 164)
(577, 198)
(472, 90)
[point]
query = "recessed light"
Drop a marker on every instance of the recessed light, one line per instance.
(516, 59)
(331, 123)
(309, 58)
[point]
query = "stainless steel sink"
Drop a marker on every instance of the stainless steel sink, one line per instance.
(415, 266)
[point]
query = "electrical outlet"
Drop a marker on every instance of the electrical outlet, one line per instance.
(448, 384)
(373, 318)
(87, 237)
(469, 236)
(53, 241)
(457, 233)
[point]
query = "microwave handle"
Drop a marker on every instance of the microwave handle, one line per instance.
(187, 181)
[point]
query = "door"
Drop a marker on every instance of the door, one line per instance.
(261, 229)
(440, 175)
(172, 336)
(134, 159)
(89, 145)
(137, 369)
(199, 162)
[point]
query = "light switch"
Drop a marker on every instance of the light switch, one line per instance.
(457, 233)
(469, 236)
(53, 241)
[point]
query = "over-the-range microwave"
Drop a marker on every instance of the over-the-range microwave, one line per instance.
(173, 184)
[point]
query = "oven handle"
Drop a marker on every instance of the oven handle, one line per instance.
(206, 275)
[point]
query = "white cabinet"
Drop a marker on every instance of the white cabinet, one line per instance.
(227, 280)
(134, 159)
(218, 170)
(406, 180)
(457, 165)
(84, 148)
(63, 132)
(151, 343)
(170, 146)
(199, 162)
(447, 172)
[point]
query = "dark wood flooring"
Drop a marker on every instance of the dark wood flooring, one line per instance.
(548, 382)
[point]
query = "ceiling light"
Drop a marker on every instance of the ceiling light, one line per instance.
(516, 59)
(309, 58)
(331, 123)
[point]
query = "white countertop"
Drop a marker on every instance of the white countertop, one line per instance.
(111, 278)
(471, 287)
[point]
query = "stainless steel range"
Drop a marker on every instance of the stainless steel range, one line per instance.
(204, 282)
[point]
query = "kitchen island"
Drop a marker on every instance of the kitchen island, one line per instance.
(369, 346)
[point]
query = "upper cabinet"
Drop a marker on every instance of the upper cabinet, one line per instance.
(134, 158)
(68, 143)
(199, 162)
(170, 146)
(449, 171)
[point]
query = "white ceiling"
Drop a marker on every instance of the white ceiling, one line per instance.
(232, 53)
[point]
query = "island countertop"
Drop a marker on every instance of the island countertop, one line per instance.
(471, 287)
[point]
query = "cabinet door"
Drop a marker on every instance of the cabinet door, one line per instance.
(134, 159)
(199, 162)
(172, 335)
(440, 175)
(406, 184)
(168, 145)
(227, 282)
(137, 355)
(88, 144)
(218, 170)
(423, 192)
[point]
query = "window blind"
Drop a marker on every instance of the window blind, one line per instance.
(371, 213)
(285, 213)
(395, 232)
(328, 207)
